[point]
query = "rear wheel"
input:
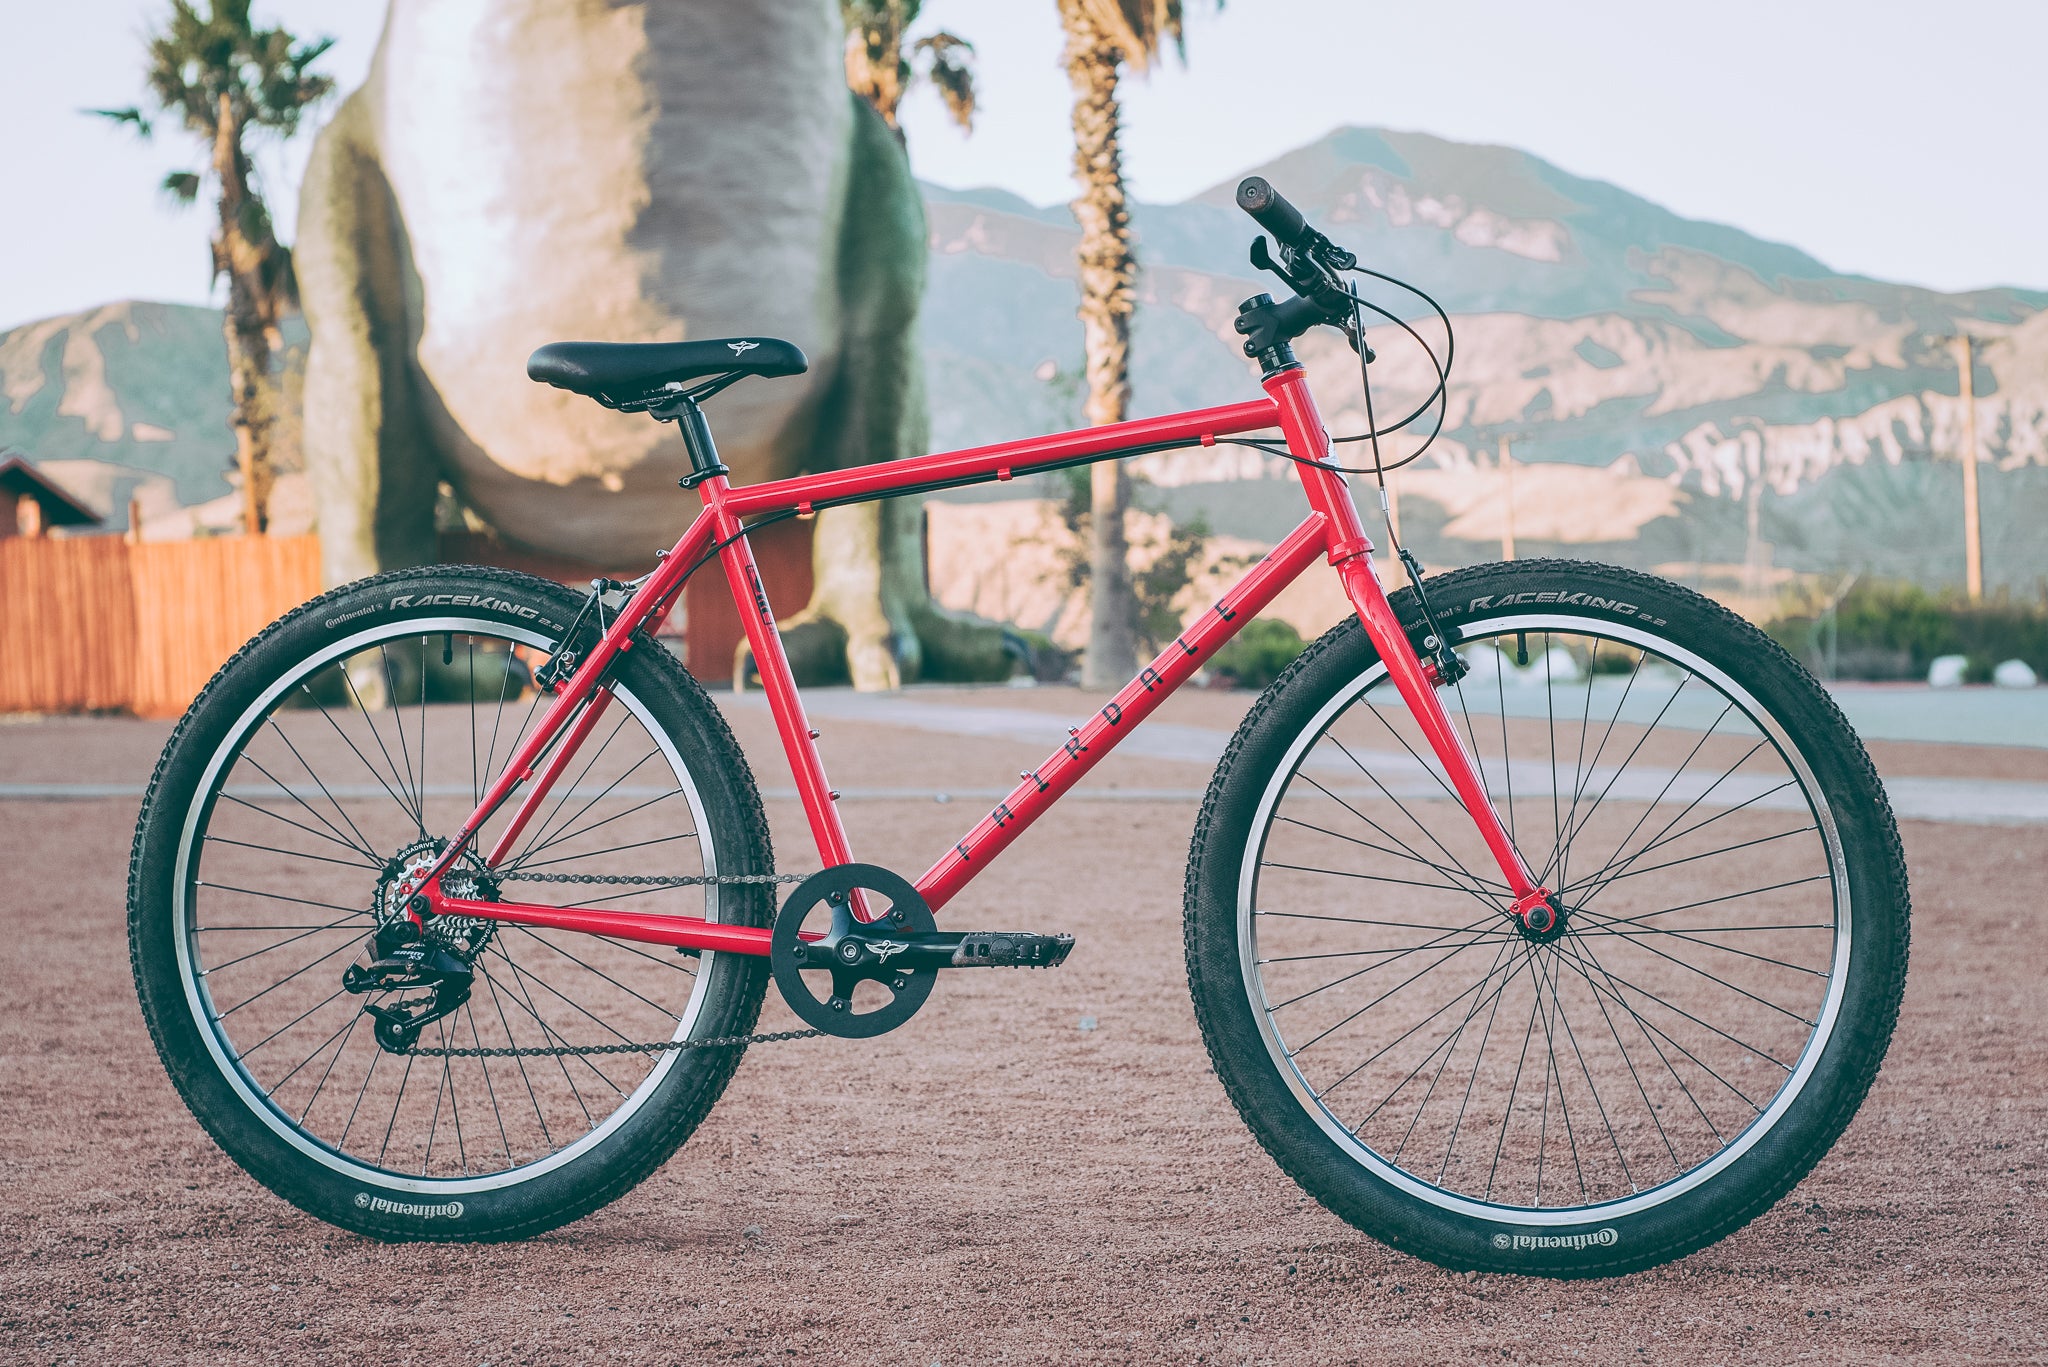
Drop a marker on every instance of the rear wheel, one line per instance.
(337, 752)
(1629, 1086)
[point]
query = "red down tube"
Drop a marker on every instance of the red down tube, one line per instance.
(1133, 703)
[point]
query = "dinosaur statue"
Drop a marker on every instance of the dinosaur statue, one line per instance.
(515, 172)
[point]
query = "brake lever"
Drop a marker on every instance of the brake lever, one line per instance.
(1315, 283)
(1284, 267)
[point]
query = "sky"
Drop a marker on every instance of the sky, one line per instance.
(1892, 139)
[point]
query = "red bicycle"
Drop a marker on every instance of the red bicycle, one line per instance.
(1543, 918)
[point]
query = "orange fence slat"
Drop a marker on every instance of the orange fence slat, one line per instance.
(99, 624)
(197, 602)
(67, 625)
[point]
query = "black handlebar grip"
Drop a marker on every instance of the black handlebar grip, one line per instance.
(1270, 211)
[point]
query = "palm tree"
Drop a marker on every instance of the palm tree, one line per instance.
(880, 73)
(1103, 37)
(222, 78)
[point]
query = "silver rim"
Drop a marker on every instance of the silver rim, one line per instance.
(1623, 1064)
(306, 790)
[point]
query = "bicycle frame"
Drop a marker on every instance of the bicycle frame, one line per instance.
(1332, 529)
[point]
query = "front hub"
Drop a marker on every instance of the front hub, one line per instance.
(1541, 916)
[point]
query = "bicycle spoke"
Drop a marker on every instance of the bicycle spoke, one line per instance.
(1466, 932)
(538, 839)
(1688, 859)
(1602, 926)
(1449, 1046)
(615, 849)
(484, 970)
(377, 735)
(398, 721)
(1464, 1102)
(1649, 1027)
(305, 806)
(1440, 782)
(1514, 1088)
(616, 816)
(476, 1040)
(526, 977)
(1566, 835)
(1677, 771)
(289, 854)
(1381, 849)
(1455, 952)
(550, 944)
(1477, 886)
(280, 944)
(295, 825)
(347, 1034)
(404, 1080)
(342, 669)
(361, 841)
(1478, 988)
(1570, 821)
(1617, 982)
(524, 1001)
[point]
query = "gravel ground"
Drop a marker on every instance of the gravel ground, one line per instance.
(991, 1183)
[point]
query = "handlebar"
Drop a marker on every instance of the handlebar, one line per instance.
(1308, 261)
(1271, 211)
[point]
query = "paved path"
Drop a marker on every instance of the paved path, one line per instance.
(1958, 716)
(1973, 801)
(2011, 717)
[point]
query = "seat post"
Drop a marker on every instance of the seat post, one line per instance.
(704, 461)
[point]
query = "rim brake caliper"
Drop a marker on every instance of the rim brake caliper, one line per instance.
(1443, 665)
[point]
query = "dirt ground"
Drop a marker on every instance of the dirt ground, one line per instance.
(991, 1183)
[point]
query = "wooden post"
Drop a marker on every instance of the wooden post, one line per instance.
(1507, 475)
(1973, 549)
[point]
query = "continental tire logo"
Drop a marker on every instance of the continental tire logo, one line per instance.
(449, 1210)
(1599, 1238)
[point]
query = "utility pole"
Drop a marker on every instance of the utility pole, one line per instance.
(1973, 548)
(1507, 475)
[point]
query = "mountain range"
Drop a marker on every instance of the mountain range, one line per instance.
(1675, 394)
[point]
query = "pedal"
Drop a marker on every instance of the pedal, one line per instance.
(1006, 949)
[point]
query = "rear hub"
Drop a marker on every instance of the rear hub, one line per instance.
(466, 878)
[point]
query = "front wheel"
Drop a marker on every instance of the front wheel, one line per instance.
(1640, 1080)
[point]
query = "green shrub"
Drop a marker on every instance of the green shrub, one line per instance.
(1258, 653)
(1894, 631)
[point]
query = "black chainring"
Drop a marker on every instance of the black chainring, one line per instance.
(851, 952)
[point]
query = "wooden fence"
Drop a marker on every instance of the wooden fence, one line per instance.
(93, 624)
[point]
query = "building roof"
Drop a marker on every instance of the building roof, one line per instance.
(60, 508)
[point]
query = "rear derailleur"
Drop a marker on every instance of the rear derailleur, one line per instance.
(404, 961)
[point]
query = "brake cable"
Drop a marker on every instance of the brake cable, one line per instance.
(1435, 644)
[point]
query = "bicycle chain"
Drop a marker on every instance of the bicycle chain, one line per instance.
(658, 1047)
(579, 1050)
(635, 880)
